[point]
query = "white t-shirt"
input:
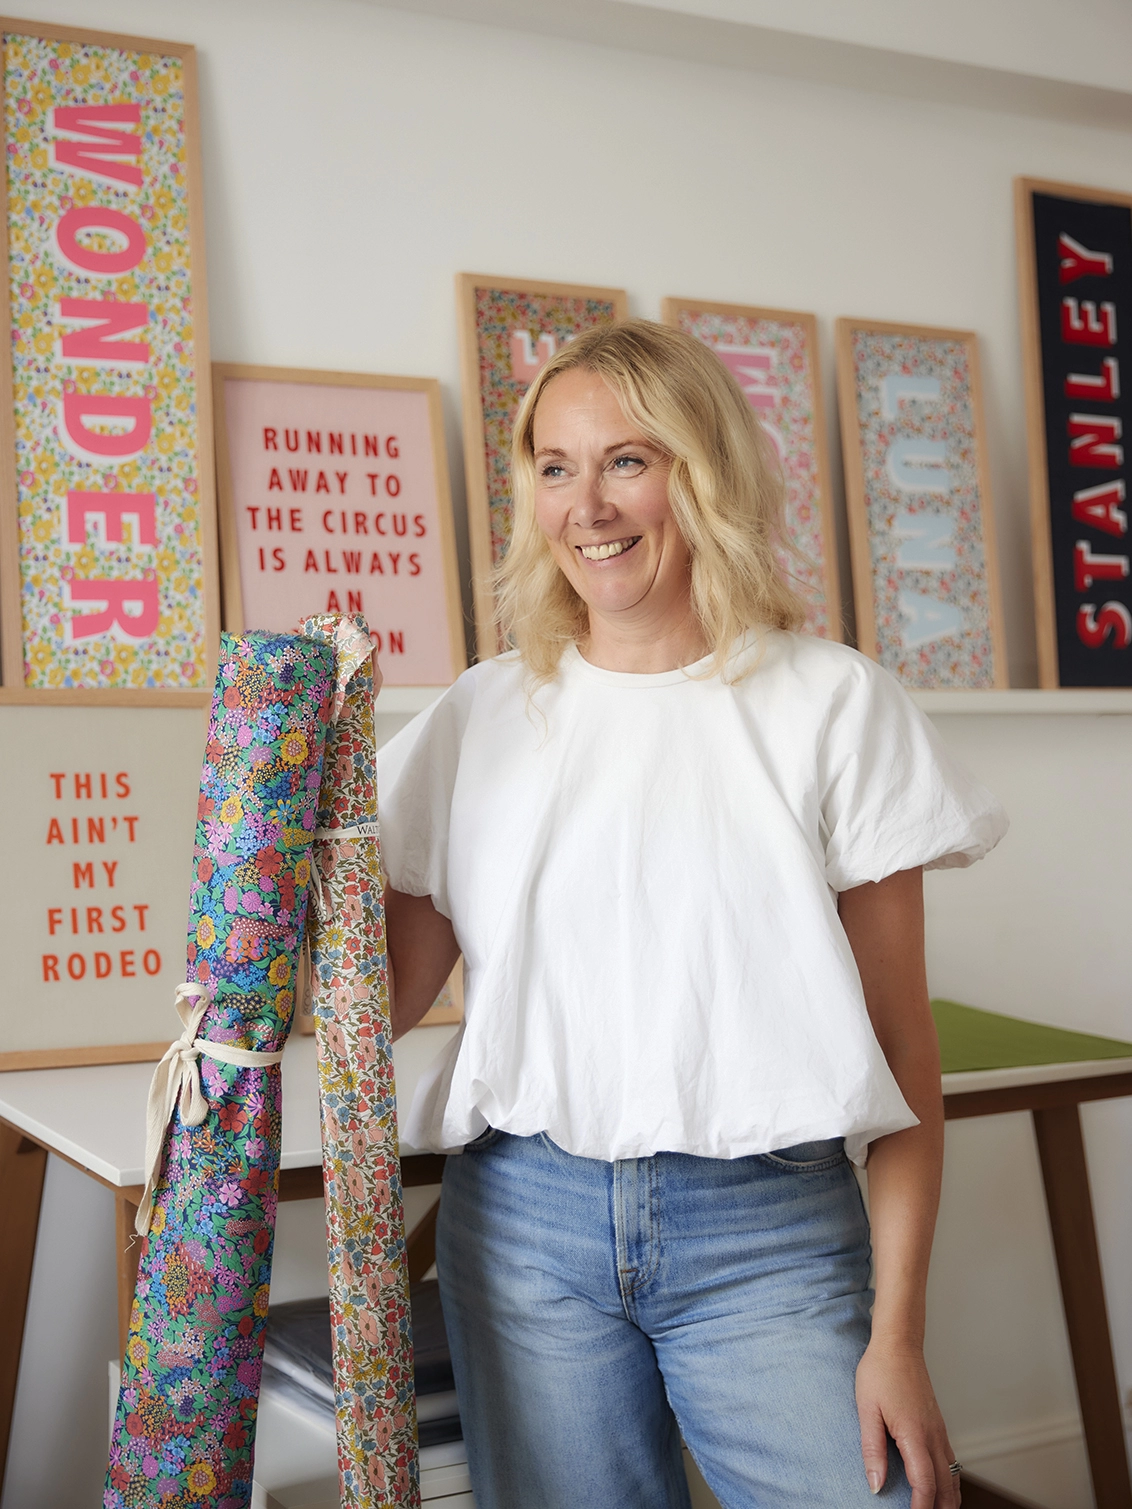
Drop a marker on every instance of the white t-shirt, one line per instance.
(642, 874)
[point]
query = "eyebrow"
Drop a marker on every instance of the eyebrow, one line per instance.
(620, 445)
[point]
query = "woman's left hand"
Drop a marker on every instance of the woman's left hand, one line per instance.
(895, 1398)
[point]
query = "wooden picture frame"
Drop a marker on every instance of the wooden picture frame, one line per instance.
(509, 328)
(94, 897)
(773, 354)
(121, 122)
(921, 520)
(367, 504)
(1074, 247)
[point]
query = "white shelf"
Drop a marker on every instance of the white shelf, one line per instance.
(407, 699)
(1069, 701)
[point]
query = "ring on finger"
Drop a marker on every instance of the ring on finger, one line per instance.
(955, 1468)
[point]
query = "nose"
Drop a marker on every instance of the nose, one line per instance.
(591, 504)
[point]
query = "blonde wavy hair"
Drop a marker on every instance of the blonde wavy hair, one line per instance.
(725, 489)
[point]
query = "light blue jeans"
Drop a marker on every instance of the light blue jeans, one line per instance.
(598, 1311)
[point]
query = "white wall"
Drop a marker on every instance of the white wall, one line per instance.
(357, 157)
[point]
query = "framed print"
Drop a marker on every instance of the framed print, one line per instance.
(334, 498)
(1075, 287)
(773, 355)
(509, 330)
(95, 891)
(108, 571)
(921, 524)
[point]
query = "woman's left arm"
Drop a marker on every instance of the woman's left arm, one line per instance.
(884, 923)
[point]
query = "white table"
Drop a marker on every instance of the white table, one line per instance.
(94, 1118)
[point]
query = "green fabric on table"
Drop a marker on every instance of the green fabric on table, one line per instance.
(973, 1039)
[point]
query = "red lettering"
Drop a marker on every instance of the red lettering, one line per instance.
(287, 439)
(131, 823)
(1089, 568)
(280, 563)
(326, 518)
(96, 830)
(334, 443)
(58, 779)
(54, 832)
(393, 485)
(76, 966)
(396, 643)
(122, 781)
(54, 919)
(314, 441)
(311, 563)
(372, 445)
(332, 603)
(361, 524)
(352, 560)
(154, 967)
(1104, 388)
(373, 477)
(415, 563)
(298, 480)
(274, 482)
(400, 524)
(110, 866)
(82, 786)
(118, 914)
(1098, 506)
(378, 527)
(419, 528)
(340, 478)
(118, 597)
(141, 910)
(275, 519)
(94, 919)
(1081, 327)
(255, 516)
(354, 602)
(270, 439)
(50, 968)
(331, 570)
(1093, 628)
(99, 147)
(374, 565)
(126, 963)
(392, 448)
(394, 557)
(1078, 262)
(104, 264)
(322, 485)
(82, 875)
(1094, 441)
(296, 520)
(102, 966)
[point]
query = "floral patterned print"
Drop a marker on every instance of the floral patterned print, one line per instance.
(184, 1430)
(773, 364)
(40, 75)
(369, 1282)
(919, 452)
(516, 335)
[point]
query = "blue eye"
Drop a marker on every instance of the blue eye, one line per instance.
(628, 463)
(551, 469)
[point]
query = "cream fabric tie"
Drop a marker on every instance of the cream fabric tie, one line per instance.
(177, 1076)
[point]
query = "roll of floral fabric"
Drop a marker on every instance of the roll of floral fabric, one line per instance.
(369, 1282)
(184, 1430)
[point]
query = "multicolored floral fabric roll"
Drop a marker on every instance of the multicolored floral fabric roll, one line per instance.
(369, 1282)
(185, 1425)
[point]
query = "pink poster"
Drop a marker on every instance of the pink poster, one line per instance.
(772, 355)
(335, 499)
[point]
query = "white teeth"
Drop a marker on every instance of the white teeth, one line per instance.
(603, 552)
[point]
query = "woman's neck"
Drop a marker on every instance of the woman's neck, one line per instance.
(643, 648)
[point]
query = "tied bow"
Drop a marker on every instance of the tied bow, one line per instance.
(177, 1078)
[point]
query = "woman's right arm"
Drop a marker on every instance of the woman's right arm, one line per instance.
(422, 952)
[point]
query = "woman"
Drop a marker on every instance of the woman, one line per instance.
(680, 848)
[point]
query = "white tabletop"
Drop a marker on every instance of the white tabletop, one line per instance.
(1032, 1074)
(96, 1116)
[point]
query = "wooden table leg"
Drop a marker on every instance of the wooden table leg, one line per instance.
(23, 1164)
(128, 1246)
(1062, 1151)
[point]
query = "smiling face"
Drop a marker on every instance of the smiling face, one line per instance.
(601, 501)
